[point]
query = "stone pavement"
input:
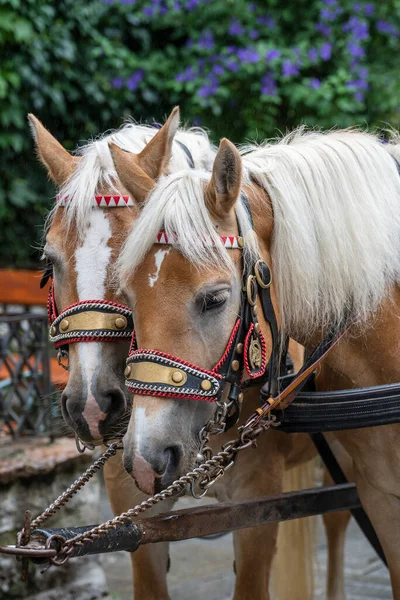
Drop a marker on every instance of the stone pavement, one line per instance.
(202, 569)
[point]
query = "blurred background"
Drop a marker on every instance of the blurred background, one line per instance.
(245, 70)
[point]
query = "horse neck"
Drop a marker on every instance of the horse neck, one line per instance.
(368, 355)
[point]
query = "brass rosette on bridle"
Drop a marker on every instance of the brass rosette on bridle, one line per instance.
(92, 320)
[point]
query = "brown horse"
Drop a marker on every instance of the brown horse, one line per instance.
(78, 242)
(190, 313)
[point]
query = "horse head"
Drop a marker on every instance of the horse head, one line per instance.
(85, 232)
(182, 270)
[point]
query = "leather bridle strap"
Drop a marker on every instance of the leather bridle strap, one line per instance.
(288, 395)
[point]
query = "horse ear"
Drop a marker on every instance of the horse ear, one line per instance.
(155, 157)
(131, 175)
(224, 188)
(58, 162)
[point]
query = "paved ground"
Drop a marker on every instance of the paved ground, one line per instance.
(203, 569)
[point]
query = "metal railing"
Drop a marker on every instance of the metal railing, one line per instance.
(27, 400)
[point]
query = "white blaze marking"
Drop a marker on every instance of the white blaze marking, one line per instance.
(159, 257)
(91, 262)
(140, 425)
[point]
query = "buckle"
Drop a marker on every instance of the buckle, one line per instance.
(264, 279)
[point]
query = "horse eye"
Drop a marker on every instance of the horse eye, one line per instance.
(212, 301)
(47, 273)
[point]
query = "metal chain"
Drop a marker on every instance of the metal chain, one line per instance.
(75, 487)
(205, 475)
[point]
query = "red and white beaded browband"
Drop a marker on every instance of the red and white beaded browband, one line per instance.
(233, 242)
(101, 201)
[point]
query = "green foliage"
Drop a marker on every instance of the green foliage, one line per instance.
(243, 69)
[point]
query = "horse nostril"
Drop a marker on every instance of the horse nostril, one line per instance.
(172, 455)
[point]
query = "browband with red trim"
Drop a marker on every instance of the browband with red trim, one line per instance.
(108, 201)
(231, 242)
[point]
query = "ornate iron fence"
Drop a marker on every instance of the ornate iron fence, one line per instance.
(27, 399)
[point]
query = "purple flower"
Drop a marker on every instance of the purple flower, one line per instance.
(325, 30)
(359, 96)
(289, 68)
(117, 82)
(357, 7)
(369, 9)
(266, 21)
(315, 83)
(326, 51)
(363, 72)
(191, 4)
(358, 84)
(177, 6)
(358, 27)
(389, 28)
(232, 66)
(253, 34)
(218, 70)
(272, 55)
(268, 85)
(128, 1)
(208, 89)
(188, 74)
(313, 55)
(248, 55)
(330, 2)
(135, 79)
(327, 15)
(148, 11)
(355, 50)
(206, 40)
(235, 28)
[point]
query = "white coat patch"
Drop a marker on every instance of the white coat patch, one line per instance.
(159, 257)
(91, 263)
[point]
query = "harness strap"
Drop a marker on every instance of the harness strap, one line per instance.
(335, 471)
(341, 409)
(286, 397)
(189, 156)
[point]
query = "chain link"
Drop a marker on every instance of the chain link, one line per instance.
(75, 487)
(208, 471)
(203, 476)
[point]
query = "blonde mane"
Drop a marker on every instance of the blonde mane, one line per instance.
(177, 207)
(95, 170)
(336, 241)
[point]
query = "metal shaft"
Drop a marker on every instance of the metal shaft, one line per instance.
(207, 520)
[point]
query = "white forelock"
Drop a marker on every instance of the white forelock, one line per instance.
(336, 238)
(96, 169)
(177, 207)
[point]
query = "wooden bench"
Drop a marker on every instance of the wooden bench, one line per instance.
(21, 288)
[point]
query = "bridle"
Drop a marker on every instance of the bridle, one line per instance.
(156, 373)
(92, 320)
(87, 320)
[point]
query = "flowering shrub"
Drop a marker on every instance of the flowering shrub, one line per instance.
(242, 68)
(246, 68)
